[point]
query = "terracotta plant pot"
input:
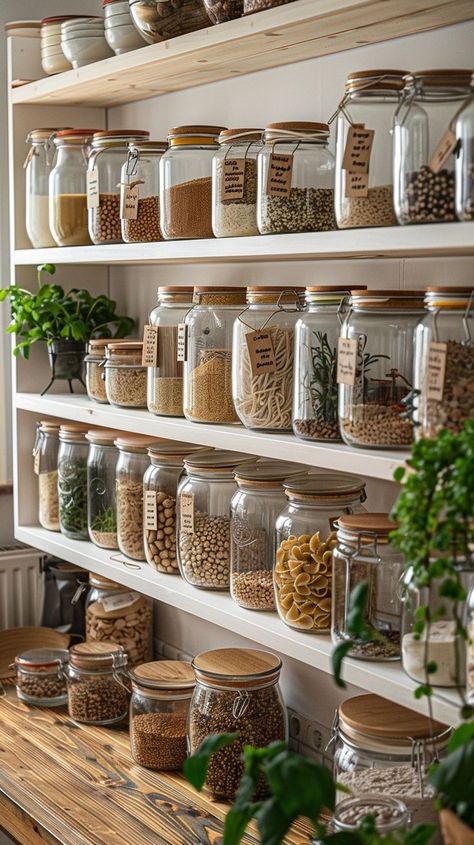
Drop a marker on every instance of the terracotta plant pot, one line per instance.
(455, 832)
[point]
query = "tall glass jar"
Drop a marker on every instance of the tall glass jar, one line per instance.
(444, 361)
(464, 161)
(159, 708)
(101, 506)
(305, 539)
(109, 149)
(165, 381)
(96, 680)
(234, 183)
(208, 354)
(125, 375)
(363, 553)
(364, 181)
(38, 164)
(131, 465)
(72, 481)
(186, 182)
(236, 690)
(68, 188)
(262, 357)
(203, 524)
(119, 615)
(45, 454)
(423, 180)
(375, 399)
(295, 179)
(140, 210)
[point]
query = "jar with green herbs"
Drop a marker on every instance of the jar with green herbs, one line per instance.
(234, 183)
(45, 456)
(165, 376)
(72, 481)
(131, 466)
(101, 506)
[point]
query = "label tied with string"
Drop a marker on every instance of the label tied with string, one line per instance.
(150, 511)
(186, 513)
(261, 352)
(280, 171)
(92, 181)
(129, 200)
(444, 149)
(150, 346)
(356, 160)
(233, 179)
(436, 370)
(346, 361)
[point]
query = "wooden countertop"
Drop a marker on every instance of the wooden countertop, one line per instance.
(62, 782)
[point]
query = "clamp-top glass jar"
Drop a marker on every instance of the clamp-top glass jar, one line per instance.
(95, 373)
(119, 615)
(97, 674)
(125, 375)
(72, 481)
(140, 197)
(101, 506)
(40, 676)
(464, 161)
(45, 454)
(165, 381)
(234, 183)
(68, 187)
(131, 466)
(38, 164)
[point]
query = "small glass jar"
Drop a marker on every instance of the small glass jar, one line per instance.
(38, 164)
(186, 182)
(131, 465)
(234, 183)
(236, 690)
(203, 524)
(464, 161)
(366, 198)
(424, 190)
(101, 506)
(45, 454)
(444, 361)
(262, 357)
(376, 400)
(119, 615)
(95, 373)
(72, 481)
(159, 708)
(68, 188)
(40, 678)
(295, 179)
(125, 376)
(208, 361)
(140, 211)
(97, 674)
(305, 539)
(389, 814)
(109, 148)
(363, 553)
(165, 381)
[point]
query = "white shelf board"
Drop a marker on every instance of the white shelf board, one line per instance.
(369, 463)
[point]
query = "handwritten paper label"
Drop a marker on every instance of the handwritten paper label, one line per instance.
(436, 370)
(280, 169)
(181, 342)
(93, 188)
(186, 513)
(445, 148)
(346, 361)
(358, 149)
(150, 512)
(357, 185)
(233, 178)
(129, 202)
(150, 346)
(261, 352)
(36, 462)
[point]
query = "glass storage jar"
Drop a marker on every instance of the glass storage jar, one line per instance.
(45, 455)
(38, 164)
(95, 373)
(221, 11)
(186, 182)
(389, 814)
(125, 376)
(131, 465)
(140, 198)
(101, 506)
(423, 180)
(68, 188)
(208, 354)
(96, 678)
(162, 21)
(203, 524)
(109, 149)
(464, 160)
(40, 676)
(376, 398)
(363, 553)
(161, 694)
(119, 615)
(444, 361)
(364, 182)
(236, 690)
(165, 381)
(295, 179)
(262, 357)
(470, 648)
(234, 183)
(72, 481)
(305, 539)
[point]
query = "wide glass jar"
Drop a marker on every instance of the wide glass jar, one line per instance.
(208, 354)
(72, 481)
(40, 678)
(38, 164)
(186, 182)
(236, 690)
(96, 680)
(389, 814)
(45, 455)
(234, 183)
(161, 21)
(101, 506)
(125, 376)
(95, 373)
(444, 361)
(423, 172)
(159, 708)
(131, 465)
(364, 553)
(165, 380)
(295, 179)
(376, 355)
(364, 180)
(140, 198)
(109, 149)
(119, 615)
(262, 357)
(203, 524)
(305, 539)
(464, 161)
(68, 188)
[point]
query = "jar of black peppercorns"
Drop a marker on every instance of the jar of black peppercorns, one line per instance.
(40, 677)
(97, 690)
(236, 690)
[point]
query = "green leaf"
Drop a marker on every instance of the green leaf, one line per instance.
(461, 736)
(195, 767)
(454, 777)
(399, 474)
(273, 823)
(46, 268)
(236, 823)
(337, 659)
(302, 786)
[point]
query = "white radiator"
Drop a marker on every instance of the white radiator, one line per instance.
(21, 586)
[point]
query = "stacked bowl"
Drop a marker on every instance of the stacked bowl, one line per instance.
(53, 59)
(83, 41)
(120, 32)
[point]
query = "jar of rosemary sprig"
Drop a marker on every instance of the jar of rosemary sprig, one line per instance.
(72, 481)
(101, 507)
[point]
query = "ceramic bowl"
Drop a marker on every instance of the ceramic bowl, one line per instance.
(118, 20)
(84, 51)
(122, 39)
(50, 41)
(55, 63)
(23, 29)
(111, 9)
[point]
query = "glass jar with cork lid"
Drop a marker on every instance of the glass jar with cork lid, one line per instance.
(101, 505)
(96, 681)
(72, 480)
(131, 466)
(119, 615)
(94, 367)
(68, 187)
(165, 380)
(125, 375)
(140, 192)
(234, 183)
(45, 463)
(38, 165)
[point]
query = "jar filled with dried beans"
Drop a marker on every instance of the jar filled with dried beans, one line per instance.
(165, 377)
(234, 183)
(125, 375)
(119, 615)
(45, 457)
(96, 681)
(67, 187)
(131, 466)
(140, 192)
(101, 505)
(40, 676)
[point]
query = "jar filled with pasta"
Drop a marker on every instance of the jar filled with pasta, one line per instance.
(45, 463)
(140, 196)
(165, 374)
(67, 188)
(119, 615)
(234, 183)
(131, 465)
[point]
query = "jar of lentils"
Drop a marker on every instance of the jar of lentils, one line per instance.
(45, 455)
(234, 183)
(125, 375)
(96, 681)
(119, 615)
(101, 505)
(165, 380)
(131, 465)
(140, 198)
(72, 481)
(40, 676)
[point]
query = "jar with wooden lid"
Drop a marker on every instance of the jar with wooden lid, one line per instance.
(101, 504)
(96, 681)
(234, 183)
(186, 182)
(389, 814)
(363, 552)
(159, 708)
(161, 21)
(119, 615)
(305, 540)
(375, 368)
(203, 524)
(125, 375)
(40, 676)
(140, 192)
(72, 480)
(38, 165)
(208, 354)
(131, 466)
(45, 464)
(464, 160)
(68, 188)
(95, 373)
(262, 357)
(364, 179)
(236, 690)
(165, 380)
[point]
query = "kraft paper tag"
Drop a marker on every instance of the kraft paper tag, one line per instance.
(233, 178)
(150, 346)
(346, 361)
(186, 513)
(150, 511)
(280, 170)
(117, 602)
(36, 462)
(129, 202)
(357, 185)
(436, 370)
(358, 149)
(181, 342)
(261, 352)
(93, 196)
(445, 148)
